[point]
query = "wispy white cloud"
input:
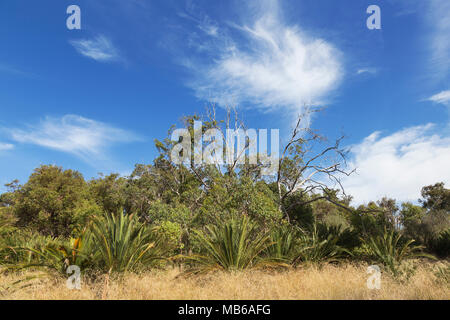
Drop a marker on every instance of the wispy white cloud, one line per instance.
(398, 165)
(85, 138)
(99, 48)
(265, 63)
(210, 29)
(367, 70)
(439, 20)
(441, 97)
(6, 146)
(205, 24)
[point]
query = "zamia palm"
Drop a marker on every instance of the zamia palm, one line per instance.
(236, 244)
(47, 252)
(390, 249)
(123, 243)
(317, 248)
(284, 245)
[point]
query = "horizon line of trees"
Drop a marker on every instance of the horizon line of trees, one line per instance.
(57, 202)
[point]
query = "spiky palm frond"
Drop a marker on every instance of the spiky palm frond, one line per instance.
(284, 247)
(123, 243)
(317, 247)
(49, 253)
(390, 250)
(237, 244)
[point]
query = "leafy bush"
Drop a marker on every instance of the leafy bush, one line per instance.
(171, 233)
(441, 244)
(53, 201)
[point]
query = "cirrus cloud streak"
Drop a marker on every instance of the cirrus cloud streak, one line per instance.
(266, 64)
(85, 138)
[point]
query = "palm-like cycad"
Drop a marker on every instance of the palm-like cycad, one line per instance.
(123, 243)
(389, 249)
(236, 244)
(317, 247)
(284, 247)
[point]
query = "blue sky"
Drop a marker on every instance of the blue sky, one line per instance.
(95, 99)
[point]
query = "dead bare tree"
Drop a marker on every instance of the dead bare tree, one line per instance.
(233, 121)
(306, 166)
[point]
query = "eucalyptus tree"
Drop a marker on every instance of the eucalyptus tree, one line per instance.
(310, 168)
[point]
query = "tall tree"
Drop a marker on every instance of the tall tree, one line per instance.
(53, 201)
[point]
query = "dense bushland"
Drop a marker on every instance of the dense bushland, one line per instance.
(211, 218)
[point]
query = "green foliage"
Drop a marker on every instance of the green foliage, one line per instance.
(429, 225)
(319, 245)
(124, 243)
(25, 248)
(7, 221)
(7, 230)
(441, 244)
(300, 214)
(175, 222)
(30, 250)
(53, 202)
(336, 219)
(236, 244)
(171, 233)
(159, 212)
(285, 244)
(370, 220)
(109, 192)
(347, 238)
(411, 218)
(251, 220)
(232, 196)
(330, 214)
(436, 197)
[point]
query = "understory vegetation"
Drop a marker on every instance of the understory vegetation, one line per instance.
(206, 218)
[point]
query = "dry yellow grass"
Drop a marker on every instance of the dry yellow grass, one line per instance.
(330, 282)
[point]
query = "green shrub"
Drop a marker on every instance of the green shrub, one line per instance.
(392, 250)
(25, 247)
(123, 243)
(284, 245)
(441, 244)
(171, 233)
(235, 244)
(319, 245)
(347, 237)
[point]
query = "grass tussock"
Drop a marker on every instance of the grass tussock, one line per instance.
(345, 281)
